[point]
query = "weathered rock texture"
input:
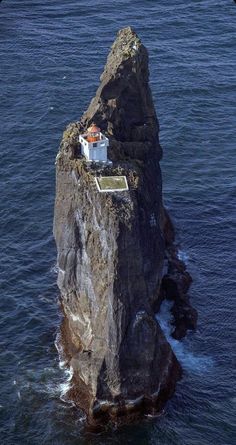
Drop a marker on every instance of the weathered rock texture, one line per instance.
(112, 249)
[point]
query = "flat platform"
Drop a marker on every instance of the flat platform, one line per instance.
(111, 183)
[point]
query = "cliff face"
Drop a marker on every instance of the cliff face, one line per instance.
(112, 247)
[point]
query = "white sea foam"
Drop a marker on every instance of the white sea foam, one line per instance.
(68, 372)
(183, 256)
(189, 360)
(65, 386)
(54, 269)
(62, 364)
(60, 351)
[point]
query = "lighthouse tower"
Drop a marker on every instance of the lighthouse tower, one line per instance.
(94, 144)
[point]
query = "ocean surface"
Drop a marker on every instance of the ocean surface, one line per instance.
(51, 56)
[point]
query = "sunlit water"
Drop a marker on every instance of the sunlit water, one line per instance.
(51, 56)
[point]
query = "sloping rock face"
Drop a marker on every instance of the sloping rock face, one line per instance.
(112, 247)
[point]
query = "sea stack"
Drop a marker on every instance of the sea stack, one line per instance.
(116, 255)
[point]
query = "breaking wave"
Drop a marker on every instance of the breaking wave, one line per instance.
(183, 256)
(65, 386)
(189, 360)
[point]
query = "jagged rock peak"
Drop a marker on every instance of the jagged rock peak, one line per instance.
(123, 105)
(127, 45)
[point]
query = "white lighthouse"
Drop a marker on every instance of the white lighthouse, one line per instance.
(94, 144)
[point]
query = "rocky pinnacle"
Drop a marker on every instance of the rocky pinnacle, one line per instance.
(116, 254)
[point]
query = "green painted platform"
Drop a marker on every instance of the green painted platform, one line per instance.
(111, 183)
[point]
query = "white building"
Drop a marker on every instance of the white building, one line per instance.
(94, 144)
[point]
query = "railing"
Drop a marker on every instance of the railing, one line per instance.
(100, 143)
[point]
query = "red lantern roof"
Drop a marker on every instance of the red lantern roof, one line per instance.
(94, 129)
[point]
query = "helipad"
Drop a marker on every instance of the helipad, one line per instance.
(111, 183)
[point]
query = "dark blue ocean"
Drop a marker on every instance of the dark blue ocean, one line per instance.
(51, 56)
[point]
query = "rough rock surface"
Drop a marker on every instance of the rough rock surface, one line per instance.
(113, 249)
